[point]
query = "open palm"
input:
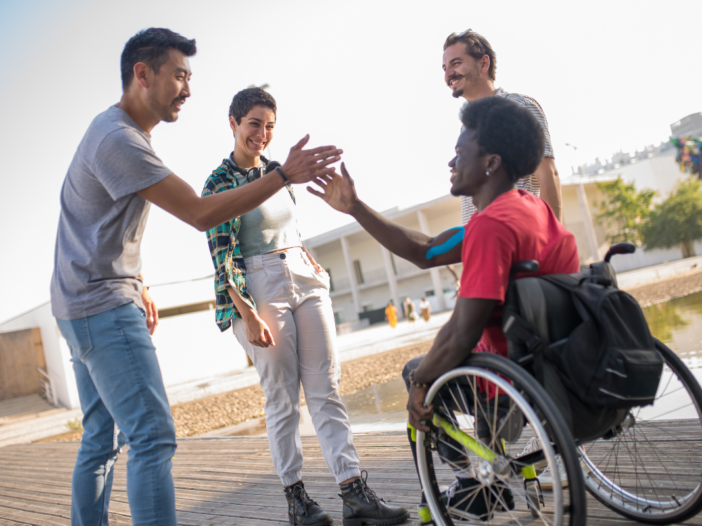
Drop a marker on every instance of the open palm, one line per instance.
(338, 191)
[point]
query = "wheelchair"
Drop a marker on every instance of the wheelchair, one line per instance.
(495, 423)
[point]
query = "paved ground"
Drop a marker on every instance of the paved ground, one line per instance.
(229, 481)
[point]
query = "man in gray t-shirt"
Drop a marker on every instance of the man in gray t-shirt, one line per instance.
(102, 220)
(97, 294)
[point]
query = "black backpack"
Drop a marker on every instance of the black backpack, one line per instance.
(594, 334)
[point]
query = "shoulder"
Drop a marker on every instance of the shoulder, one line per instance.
(521, 99)
(218, 180)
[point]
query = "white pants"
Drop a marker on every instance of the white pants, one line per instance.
(293, 300)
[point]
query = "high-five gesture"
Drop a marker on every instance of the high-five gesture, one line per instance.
(338, 191)
(303, 166)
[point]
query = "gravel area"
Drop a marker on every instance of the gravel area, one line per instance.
(208, 414)
(667, 289)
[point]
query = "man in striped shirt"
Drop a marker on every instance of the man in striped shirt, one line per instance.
(469, 70)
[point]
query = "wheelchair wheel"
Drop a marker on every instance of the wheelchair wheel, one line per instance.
(479, 433)
(649, 468)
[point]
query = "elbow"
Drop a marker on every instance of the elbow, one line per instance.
(201, 222)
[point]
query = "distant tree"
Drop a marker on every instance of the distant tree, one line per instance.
(624, 210)
(677, 220)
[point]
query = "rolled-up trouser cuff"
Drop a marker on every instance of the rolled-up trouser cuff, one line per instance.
(347, 474)
(288, 479)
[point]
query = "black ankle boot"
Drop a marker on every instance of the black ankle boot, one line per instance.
(362, 506)
(302, 510)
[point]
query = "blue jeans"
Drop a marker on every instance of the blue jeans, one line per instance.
(123, 401)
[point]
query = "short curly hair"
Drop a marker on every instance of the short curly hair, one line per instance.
(477, 47)
(151, 46)
(506, 129)
(247, 99)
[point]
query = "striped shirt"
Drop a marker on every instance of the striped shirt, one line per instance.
(529, 183)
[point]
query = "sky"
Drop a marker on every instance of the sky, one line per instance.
(364, 75)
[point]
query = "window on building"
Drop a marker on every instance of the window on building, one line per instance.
(428, 293)
(367, 307)
(331, 280)
(339, 317)
(359, 272)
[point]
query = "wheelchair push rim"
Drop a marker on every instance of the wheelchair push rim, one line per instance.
(441, 516)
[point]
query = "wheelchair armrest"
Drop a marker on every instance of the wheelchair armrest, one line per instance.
(524, 267)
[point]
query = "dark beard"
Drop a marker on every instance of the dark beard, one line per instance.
(457, 93)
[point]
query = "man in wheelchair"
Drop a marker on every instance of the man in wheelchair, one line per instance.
(501, 142)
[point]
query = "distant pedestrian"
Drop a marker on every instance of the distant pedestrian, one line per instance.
(410, 311)
(391, 314)
(425, 309)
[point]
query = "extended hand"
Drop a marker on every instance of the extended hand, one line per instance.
(257, 332)
(338, 191)
(150, 309)
(417, 412)
(303, 166)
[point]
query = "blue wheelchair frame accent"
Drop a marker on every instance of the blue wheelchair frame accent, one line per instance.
(448, 244)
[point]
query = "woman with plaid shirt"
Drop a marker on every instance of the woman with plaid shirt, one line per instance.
(276, 298)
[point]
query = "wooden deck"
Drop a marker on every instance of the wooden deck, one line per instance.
(218, 481)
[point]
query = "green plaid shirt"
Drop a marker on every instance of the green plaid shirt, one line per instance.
(224, 247)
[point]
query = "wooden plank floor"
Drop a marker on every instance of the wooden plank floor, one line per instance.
(218, 481)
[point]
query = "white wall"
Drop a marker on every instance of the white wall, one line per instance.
(191, 346)
(645, 258)
(56, 351)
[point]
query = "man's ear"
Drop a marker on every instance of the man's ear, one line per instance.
(141, 74)
(494, 162)
(485, 64)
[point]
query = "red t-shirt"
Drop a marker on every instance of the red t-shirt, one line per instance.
(516, 226)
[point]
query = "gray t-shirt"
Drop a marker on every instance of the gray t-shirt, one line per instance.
(97, 259)
(269, 227)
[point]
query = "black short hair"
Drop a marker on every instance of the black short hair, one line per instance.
(151, 47)
(506, 129)
(247, 99)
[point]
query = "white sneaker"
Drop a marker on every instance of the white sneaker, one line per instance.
(546, 479)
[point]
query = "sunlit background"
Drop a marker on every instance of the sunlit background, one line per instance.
(365, 76)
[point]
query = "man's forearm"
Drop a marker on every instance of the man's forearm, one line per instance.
(178, 198)
(404, 242)
(550, 185)
(445, 354)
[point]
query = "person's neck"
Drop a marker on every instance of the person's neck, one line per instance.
(491, 191)
(139, 111)
(483, 89)
(245, 161)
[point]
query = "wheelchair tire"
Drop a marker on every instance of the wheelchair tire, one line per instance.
(561, 505)
(650, 470)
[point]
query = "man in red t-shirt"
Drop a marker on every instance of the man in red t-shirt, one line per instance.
(501, 142)
(515, 227)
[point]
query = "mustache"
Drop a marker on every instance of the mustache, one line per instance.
(178, 99)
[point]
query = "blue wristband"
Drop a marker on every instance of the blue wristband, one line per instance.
(285, 179)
